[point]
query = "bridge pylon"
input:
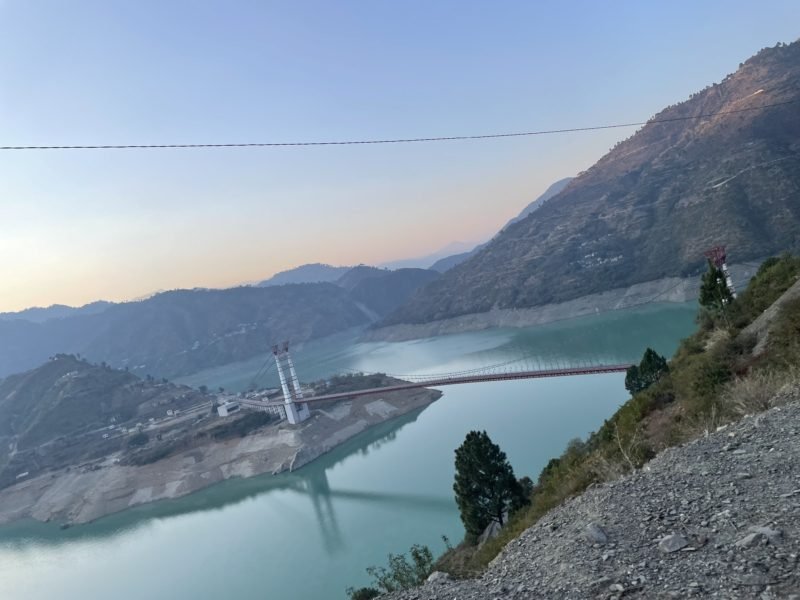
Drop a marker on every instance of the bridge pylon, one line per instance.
(296, 410)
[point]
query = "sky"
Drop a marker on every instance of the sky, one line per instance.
(77, 226)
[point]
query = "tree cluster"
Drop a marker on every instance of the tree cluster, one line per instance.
(401, 574)
(649, 370)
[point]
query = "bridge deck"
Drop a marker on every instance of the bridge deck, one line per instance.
(455, 381)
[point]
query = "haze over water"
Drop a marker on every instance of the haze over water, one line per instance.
(309, 534)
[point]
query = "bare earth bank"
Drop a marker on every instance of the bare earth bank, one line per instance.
(85, 493)
(670, 289)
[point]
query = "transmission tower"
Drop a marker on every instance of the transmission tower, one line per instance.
(718, 256)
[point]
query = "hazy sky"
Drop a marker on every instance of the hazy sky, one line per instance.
(81, 225)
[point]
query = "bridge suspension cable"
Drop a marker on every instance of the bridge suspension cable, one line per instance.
(532, 361)
(268, 365)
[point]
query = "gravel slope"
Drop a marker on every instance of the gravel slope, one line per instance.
(716, 518)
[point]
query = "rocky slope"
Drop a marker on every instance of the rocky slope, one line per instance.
(650, 207)
(716, 518)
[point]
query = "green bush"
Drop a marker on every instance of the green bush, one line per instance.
(138, 439)
(651, 368)
(774, 277)
(365, 593)
(240, 427)
(401, 574)
(783, 342)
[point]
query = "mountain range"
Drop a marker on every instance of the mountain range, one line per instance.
(311, 273)
(38, 314)
(721, 168)
(183, 331)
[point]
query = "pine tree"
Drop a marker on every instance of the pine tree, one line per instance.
(485, 487)
(714, 292)
(649, 370)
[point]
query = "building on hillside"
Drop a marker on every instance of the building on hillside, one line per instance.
(228, 408)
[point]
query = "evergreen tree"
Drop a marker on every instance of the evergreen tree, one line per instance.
(486, 489)
(649, 370)
(714, 292)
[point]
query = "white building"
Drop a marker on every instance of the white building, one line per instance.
(227, 408)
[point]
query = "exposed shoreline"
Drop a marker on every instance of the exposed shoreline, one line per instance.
(669, 289)
(82, 494)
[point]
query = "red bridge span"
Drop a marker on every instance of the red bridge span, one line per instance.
(453, 380)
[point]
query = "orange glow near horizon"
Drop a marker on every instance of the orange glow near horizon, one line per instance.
(119, 260)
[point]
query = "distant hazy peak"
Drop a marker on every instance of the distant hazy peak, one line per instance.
(311, 273)
(38, 314)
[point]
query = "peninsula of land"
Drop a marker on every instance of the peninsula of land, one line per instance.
(79, 494)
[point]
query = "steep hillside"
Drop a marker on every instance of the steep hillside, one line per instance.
(448, 262)
(313, 273)
(53, 415)
(549, 193)
(358, 274)
(426, 261)
(184, 331)
(388, 290)
(653, 204)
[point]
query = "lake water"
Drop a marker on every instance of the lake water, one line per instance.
(310, 534)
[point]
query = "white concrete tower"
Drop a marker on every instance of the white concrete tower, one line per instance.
(302, 407)
(295, 412)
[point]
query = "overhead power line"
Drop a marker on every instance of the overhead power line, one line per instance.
(450, 138)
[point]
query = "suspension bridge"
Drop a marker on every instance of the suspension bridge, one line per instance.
(294, 405)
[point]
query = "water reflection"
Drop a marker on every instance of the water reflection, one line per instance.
(310, 480)
(318, 489)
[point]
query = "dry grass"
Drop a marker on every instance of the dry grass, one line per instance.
(758, 391)
(605, 468)
(715, 337)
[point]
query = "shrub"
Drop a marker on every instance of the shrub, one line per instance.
(400, 574)
(774, 277)
(138, 439)
(242, 426)
(753, 393)
(651, 368)
(365, 593)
